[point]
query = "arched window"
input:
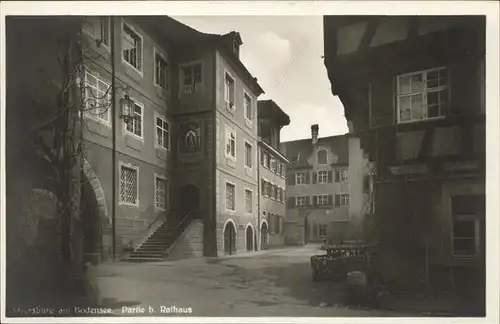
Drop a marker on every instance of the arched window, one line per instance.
(322, 157)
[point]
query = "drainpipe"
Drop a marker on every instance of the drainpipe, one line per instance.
(113, 127)
(258, 197)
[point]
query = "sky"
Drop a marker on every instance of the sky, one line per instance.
(285, 54)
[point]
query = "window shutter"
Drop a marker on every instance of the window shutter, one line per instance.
(330, 200)
(337, 176)
(261, 157)
(290, 179)
(308, 176)
(315, 200)
(308, 200)
(290, 202)
(337, 200)
(315, 177)
(330, 176)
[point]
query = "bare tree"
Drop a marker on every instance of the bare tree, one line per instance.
(59, 140)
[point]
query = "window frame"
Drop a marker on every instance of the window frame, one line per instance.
(297, 201)
(424, 92)
(326, 157)
(251, 201)
(324, 198)
(94, 117)
(129, 133)
(234, 196)
(134, 30)
(344, 199)
(245, 96)
(226, 92)
(229, 130)
(324, 227)
(169, 131)
(477, 235)
(196, 87)
(101, 31)
(325, 176)
(297, 177)
(136, 169)
(343, 175)
(251, 155)
(162, 178)
(162, 56)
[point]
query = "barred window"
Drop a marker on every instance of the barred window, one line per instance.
(160, 193)
(128, 185)
(230, 196)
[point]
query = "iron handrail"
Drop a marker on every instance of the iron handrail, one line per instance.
(188, 214)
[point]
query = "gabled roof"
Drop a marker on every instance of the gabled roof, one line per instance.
(299, 151)
(270, 109)
(183, 35)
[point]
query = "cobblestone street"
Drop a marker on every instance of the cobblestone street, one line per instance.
(267, 283)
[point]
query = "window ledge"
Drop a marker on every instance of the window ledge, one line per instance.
(248, 123)
(420, 120)
(133, 142)
(231, 162)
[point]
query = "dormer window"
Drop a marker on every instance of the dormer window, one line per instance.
(322, 158)
(236, 48)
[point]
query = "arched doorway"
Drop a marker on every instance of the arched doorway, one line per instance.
(90, 225)
(94, 224)
(189, 199)
(263, 236)
(249, 238)
(229, 238)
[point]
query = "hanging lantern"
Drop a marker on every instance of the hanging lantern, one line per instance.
(127, 113)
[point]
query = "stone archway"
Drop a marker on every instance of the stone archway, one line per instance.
(94, 218)
(249, 236)
(264, 235)
(229, 233)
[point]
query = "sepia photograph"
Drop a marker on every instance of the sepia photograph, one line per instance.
(163, 161)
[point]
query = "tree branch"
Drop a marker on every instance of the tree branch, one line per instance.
(48, 152)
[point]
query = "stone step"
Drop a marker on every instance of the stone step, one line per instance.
(153, 247)
(142, 259)
(146, 255)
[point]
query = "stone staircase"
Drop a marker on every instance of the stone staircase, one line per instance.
(156, 247)
(190, 242)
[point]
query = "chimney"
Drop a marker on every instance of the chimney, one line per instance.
(314, 133)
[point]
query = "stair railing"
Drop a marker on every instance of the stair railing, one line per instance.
(187, 216)
(145, 236)
(178, 227)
